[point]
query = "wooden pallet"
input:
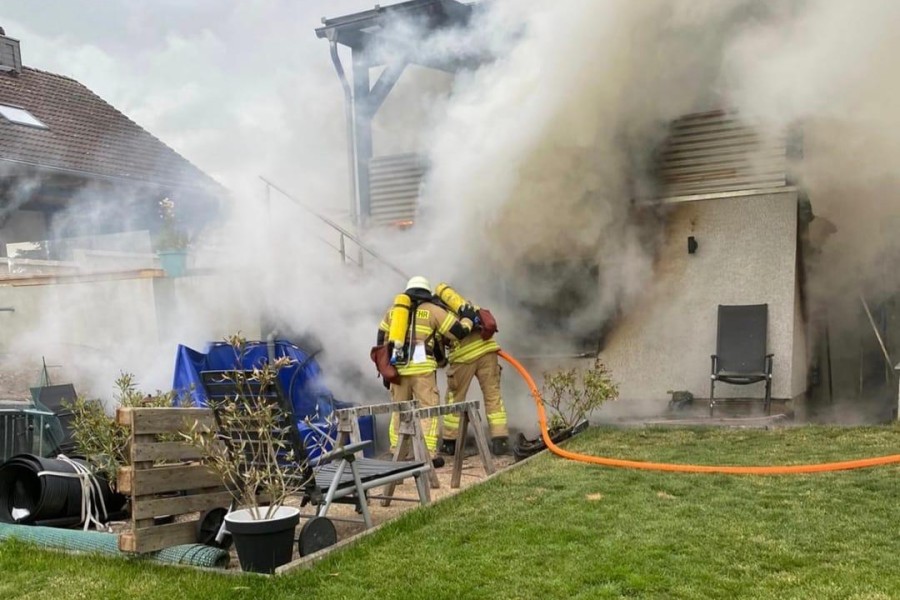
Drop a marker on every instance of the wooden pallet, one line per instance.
(166, 478)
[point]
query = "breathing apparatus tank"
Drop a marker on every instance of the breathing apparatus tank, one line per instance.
(453, 300)
(399, 326)
(450, 297)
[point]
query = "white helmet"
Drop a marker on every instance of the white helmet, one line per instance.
(418, 283)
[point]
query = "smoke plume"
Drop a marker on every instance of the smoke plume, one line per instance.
(537, 157)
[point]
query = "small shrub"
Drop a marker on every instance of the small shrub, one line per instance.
(97, 435)
(251, 451)
(570, 395)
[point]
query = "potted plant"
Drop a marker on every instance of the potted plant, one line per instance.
(172, 241)
(569, 396)
(102, 441)
(96, 434)
(250, 452)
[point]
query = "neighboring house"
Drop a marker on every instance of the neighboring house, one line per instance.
(71, 165)
(80, 187)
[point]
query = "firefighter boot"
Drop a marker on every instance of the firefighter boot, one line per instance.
(448, 447)
(499, 446)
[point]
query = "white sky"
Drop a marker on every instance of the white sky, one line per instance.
(240, 87)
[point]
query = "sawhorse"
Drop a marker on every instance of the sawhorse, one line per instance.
(409, 434)
(468, 414)
(411, 429)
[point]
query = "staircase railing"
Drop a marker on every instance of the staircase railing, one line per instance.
(345, 236)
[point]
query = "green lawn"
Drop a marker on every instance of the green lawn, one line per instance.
(559, 529)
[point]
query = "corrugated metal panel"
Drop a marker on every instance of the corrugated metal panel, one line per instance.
(717, 152)
(394, 182)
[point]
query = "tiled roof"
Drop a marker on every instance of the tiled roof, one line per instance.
(85, 134)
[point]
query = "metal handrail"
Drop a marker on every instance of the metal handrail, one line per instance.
(884, 351)
(344, 233)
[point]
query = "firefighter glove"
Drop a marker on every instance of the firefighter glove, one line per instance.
(467, 311)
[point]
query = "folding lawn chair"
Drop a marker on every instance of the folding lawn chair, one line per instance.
(741, 357)
(56, 399)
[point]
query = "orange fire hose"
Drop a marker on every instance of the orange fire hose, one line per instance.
(649, 466)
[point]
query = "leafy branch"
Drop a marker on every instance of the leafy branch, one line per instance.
(570, 395)
(96, 434)
(250, 446)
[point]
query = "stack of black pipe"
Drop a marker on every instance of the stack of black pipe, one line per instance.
(50, 500)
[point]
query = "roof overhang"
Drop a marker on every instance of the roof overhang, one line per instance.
(9, 166)
(371, 33)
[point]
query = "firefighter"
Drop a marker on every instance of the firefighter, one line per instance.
(414, 358)
(474, 357)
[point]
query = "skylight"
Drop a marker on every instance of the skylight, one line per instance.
(20, 116)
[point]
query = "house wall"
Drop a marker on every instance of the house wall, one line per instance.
(79, 314)
(404, 122)
(96, 329)
(23, 226)
(746, 255)
(801, 359)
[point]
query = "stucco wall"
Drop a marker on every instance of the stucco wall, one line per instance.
(22, 226)
(94, 330)
(746, 255)
(800, 363)
(91, 314)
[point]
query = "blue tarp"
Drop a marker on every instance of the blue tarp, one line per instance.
(301, 382)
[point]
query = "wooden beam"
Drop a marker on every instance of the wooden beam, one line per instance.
(428, 412)
(386, 81)
(165, 451)
(26, 280)
(151, 539)
(160, 480)
(155, 507)
(376, 409)
(163, 420)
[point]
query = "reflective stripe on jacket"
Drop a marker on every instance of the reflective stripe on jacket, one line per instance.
(431, 320)
(471, 348)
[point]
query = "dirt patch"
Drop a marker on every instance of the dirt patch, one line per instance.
(472, 474)
(17, 376)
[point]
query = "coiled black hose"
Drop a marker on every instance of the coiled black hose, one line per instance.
(48, 499)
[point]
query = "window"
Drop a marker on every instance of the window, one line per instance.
(20, 116)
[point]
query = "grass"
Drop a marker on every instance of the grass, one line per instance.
(559, 529)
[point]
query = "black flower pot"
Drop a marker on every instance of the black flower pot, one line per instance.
(263, 544)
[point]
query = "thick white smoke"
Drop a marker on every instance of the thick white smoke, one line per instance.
(536, 158)
(543, 153)
(241, 89)
(830, 67)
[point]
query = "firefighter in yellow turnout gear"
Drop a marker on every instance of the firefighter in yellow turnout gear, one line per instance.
(417, 365)
(473, 357)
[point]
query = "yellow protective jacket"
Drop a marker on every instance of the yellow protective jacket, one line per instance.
(471, 348)
(431, 321)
